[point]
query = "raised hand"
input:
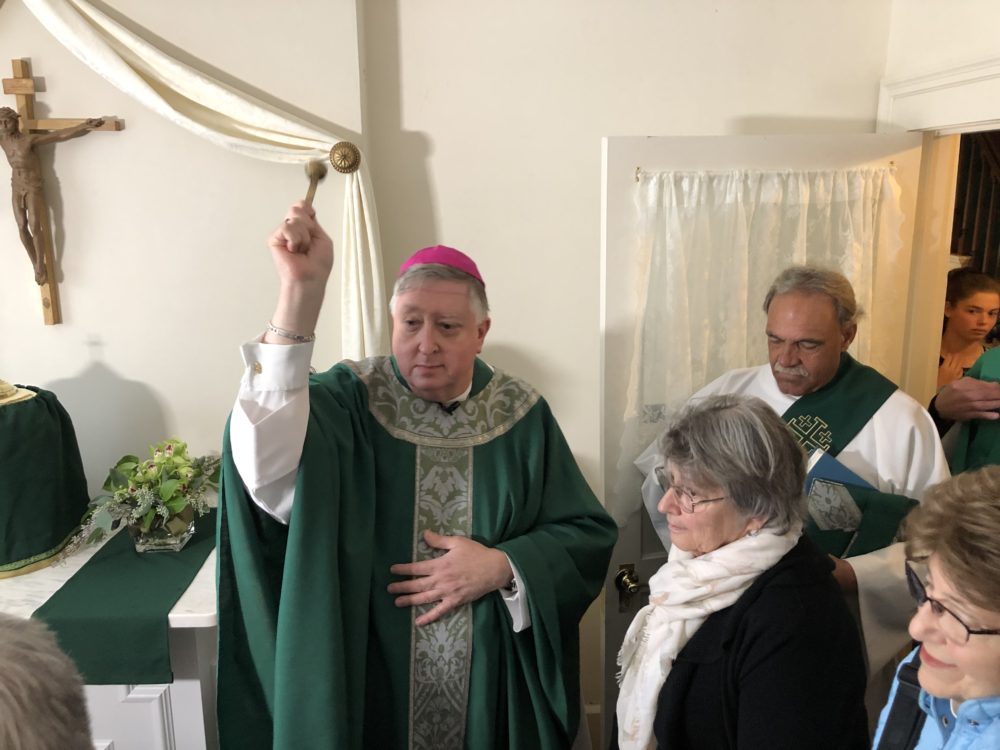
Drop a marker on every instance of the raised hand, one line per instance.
(466, 572)
(302, 251)
(303, 255)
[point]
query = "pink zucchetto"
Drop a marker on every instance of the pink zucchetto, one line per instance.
(444, 256)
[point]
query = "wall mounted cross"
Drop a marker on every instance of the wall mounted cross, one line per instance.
(20, 133)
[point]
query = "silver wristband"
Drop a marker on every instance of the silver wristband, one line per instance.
(298, 338)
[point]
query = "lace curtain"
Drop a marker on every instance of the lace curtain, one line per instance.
(236, 121)
(711, 243)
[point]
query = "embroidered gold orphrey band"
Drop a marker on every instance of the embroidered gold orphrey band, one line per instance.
(441, 653)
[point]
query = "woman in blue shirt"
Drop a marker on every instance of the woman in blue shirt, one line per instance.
(953, 539)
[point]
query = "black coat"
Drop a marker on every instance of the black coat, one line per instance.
(781, 669)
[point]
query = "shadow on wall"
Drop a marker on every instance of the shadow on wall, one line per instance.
(513, 361)
(112, 416)
(399, 158)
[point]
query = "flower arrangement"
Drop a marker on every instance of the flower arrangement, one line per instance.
(156, 498)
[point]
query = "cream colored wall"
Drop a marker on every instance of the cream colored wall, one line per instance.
(927, 36)
(163, 262)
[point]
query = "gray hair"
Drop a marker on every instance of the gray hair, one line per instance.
(418, 275)
(738, 443)
(813, 280)
(42, 706)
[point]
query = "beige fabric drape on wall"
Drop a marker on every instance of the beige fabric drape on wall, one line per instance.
(239, 122)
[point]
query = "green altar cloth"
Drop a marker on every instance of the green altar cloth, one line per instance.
(111, 617)
(43, 491)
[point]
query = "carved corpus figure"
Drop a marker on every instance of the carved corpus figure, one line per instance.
(26, 180)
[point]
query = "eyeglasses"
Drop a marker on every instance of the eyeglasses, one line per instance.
(685, 499)
(951, 624)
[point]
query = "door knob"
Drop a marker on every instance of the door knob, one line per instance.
(626, 579)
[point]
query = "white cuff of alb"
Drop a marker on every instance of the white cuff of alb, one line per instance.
(516, 599)
(276, 367)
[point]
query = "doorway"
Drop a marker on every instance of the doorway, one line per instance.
(975, 235)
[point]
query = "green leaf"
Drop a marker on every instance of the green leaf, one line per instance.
(116, 480)
(102, 519)
(147, 520)
(95, 536)
(176, 505)
(168, 488)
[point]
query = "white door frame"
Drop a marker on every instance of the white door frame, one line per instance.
(961, 99)
(946, 102)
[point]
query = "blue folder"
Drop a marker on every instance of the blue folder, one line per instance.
(847, 515)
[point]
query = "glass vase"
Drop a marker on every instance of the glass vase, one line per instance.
(168, 537)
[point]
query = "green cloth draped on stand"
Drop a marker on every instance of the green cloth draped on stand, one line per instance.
(111, 617)
(43, 491)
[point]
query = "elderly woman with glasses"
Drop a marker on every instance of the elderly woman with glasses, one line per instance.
(746, 641)
(947, 691)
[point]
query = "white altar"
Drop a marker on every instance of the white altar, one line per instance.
(178, 716)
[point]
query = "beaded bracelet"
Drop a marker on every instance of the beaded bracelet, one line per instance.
(298, 338)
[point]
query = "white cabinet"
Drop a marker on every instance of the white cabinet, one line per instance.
(178, 716)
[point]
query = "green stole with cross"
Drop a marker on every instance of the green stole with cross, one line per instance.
(845, 520)
(830, 417)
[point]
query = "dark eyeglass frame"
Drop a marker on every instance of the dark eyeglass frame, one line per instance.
(686, 500)
(919, 593)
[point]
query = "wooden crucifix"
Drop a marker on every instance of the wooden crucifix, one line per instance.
(31, 210)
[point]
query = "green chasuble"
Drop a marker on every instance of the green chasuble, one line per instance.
(313, 652)
(978, 442)
(830, 417)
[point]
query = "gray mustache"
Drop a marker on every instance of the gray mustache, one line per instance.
(797, 371)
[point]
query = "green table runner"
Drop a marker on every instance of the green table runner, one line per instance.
(111, 617)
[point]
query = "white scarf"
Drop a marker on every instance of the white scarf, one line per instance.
(683, 593)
